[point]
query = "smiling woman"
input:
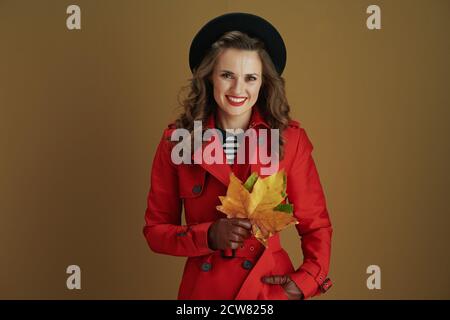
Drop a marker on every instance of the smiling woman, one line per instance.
(237, 60)
(236, 66)
(236, 79)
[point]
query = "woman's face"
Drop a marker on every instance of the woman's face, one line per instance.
(237, 78)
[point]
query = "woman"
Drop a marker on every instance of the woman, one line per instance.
(237, 60)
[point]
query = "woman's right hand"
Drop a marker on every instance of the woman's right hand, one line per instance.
(228, 233)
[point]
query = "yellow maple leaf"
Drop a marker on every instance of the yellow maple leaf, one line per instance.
(235, 203)
(259, 200)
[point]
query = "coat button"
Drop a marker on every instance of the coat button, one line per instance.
(197, 189)
(206, 266)
(252, 248)
(247, 264)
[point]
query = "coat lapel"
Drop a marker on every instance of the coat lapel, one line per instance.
(256, 164)
(221, 171)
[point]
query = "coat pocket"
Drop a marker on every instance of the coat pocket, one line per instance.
(283, 265)
(273, 292)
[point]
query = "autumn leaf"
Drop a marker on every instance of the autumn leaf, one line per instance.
(235, 202)
(251, 181)
(261, 201)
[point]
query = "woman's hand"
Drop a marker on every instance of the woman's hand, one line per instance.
(228, 233)
(289, 286)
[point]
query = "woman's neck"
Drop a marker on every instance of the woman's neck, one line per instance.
(225, 121)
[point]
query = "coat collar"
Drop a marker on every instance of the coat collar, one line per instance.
(222, 171)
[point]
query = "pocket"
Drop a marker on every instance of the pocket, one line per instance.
(274, 292)
(191, 180)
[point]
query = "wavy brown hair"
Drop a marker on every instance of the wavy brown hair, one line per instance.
(199, 103)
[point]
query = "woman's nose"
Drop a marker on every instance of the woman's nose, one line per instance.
(239, 86)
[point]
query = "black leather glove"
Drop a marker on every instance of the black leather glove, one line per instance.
(228, 233)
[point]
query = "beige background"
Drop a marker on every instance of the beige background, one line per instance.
(81, 113)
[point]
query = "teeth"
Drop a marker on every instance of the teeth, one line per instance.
(237, 100)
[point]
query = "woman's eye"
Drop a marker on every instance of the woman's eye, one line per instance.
(251, 78)
(226, 76)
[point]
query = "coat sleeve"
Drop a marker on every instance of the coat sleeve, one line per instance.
(163, 230)
(305, 193)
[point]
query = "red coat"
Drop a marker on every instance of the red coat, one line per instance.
(208, 275)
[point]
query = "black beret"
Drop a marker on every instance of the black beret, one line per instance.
(254, 26)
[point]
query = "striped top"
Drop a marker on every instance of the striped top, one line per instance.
(230, 145)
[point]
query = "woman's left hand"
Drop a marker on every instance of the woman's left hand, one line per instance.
(289, 286)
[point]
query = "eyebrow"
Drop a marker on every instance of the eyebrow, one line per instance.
(248, 74)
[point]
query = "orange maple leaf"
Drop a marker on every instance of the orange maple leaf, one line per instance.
(259, 200)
